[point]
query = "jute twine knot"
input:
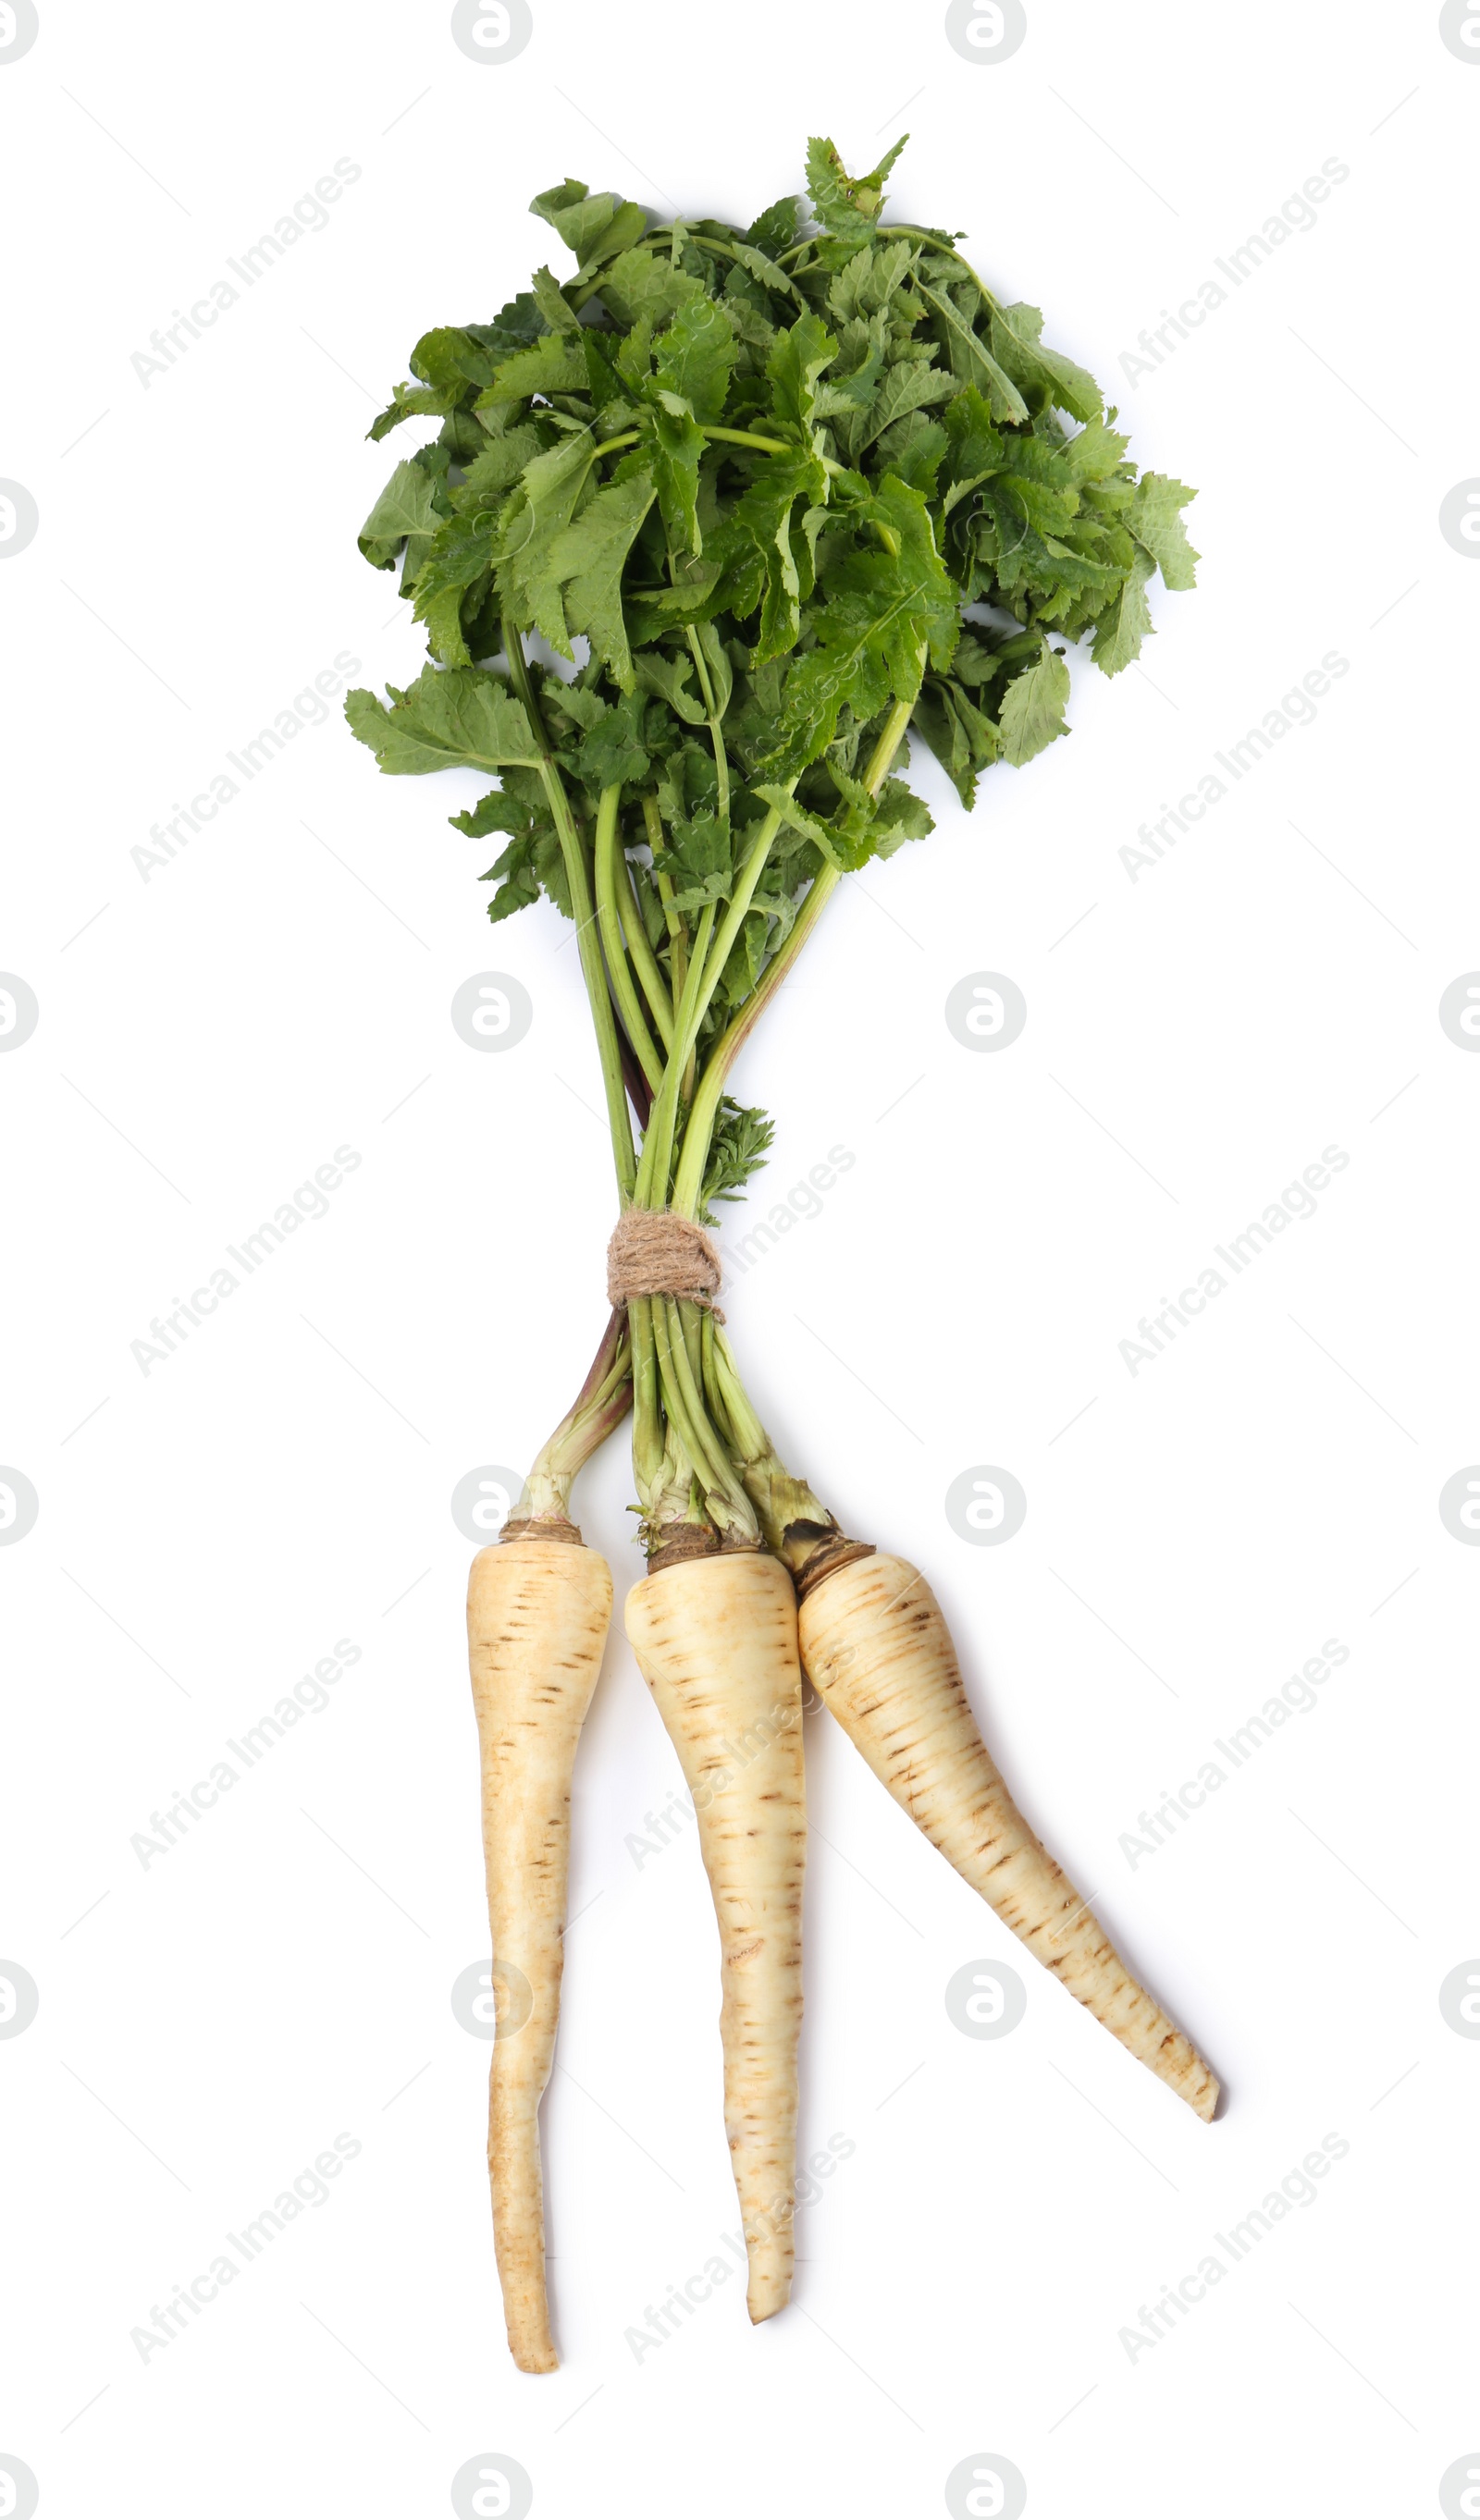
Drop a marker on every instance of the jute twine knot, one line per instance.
(653, 1252)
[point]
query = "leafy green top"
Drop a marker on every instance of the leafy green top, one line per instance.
(780, 480)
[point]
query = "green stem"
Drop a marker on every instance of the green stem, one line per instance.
(645, 960)
(647, 1445)
(936, 247)
(652, 1189)
(768, 445)
(678, 931)
(726, 437)
(600, 1404)
(578, 878)
(721, 245)
(706, 1102)
(729, 1507)
(716, 730)
(703, 979)
(609, 852)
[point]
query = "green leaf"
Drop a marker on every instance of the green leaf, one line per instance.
(721, 678)
(697, 859)
(588, 558)
(921, 582)
(1122, 626)
(641, 283)
(760, 564)
(578, 216)
(451, 359)
(1154, 518)
(612, 754)
(555, 306)
(627, 225)
(678, 449)
(695, 358)
(972, 360)
(1032, 716)
(533, 862)
(404, 506)
(1093, 454)
(797, 819)
(962, 736)
(496, 469)
(1015, 339)
(776, 228)
(443, 720)
(909, 386)
(556, 365)
(796, 361)
(847, 206)
(738, 1150)
(669, 676)
(546, 500)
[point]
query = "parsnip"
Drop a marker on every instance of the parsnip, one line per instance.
(538, 1612)
(716, 1641)
(877, 1650)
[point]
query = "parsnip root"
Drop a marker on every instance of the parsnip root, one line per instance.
(716, 1641)
(538, 1612)
(876, 1648)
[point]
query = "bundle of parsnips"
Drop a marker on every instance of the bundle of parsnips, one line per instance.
(798, 490)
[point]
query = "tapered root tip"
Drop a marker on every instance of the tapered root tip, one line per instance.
(532, 2354)
(1206, 2103)
(767, 2292)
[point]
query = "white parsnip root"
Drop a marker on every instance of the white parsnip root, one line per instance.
(716, 1641)
(878, 1653)
(538, 1612)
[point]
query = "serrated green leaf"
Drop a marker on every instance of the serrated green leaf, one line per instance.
(1154, 518)
(640, 283)
(1122, 626)
(1031, 717)
(556, 365)
(847, 206)
(776, 228)
(796, 360)
(696, 357)
(552, 304)
(909, 386)
(587, 560)
(670, 678)
(443, 720)
(612, 754)
(972, 360)
(546, 500)
(1015, 339)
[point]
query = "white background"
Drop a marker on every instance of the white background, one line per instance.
(210, 1033)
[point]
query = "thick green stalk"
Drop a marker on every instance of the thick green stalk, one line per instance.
(608, 853)
(578, 878)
